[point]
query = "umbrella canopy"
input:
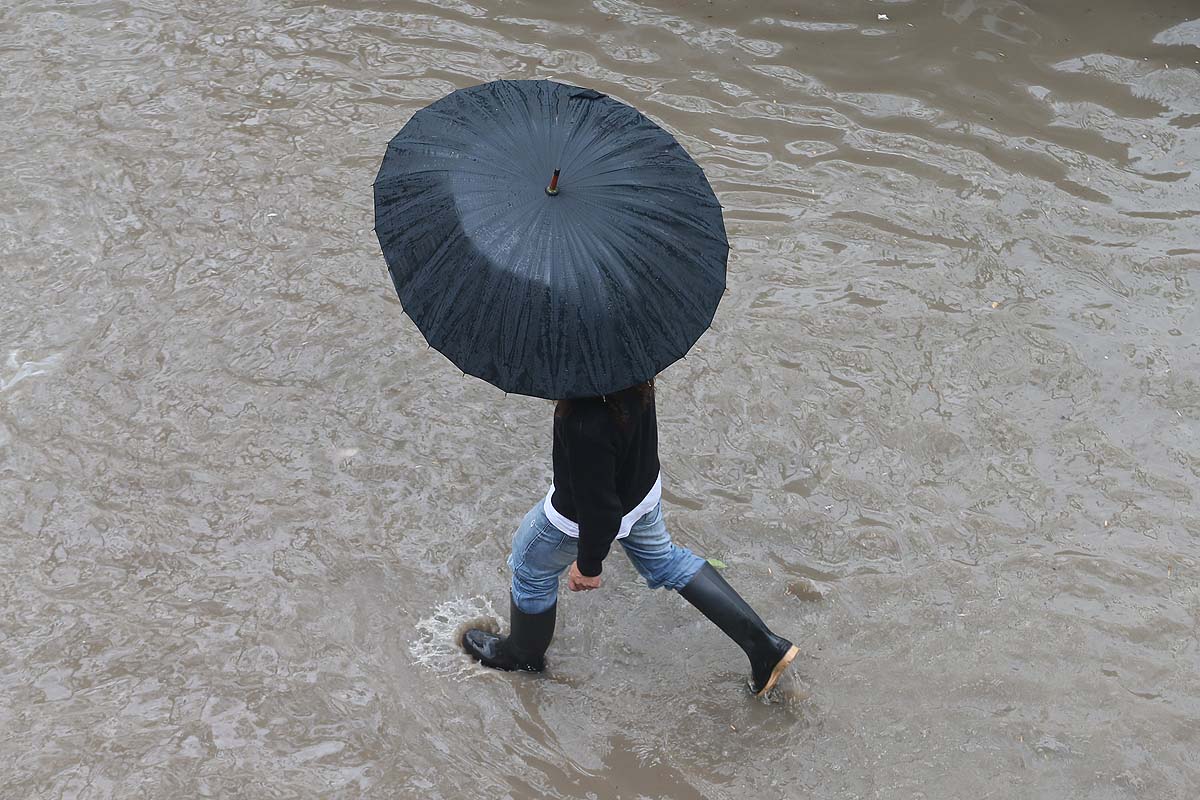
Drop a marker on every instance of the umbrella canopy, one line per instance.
(578, 289)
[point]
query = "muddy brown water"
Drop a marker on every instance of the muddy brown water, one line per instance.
(945, 432)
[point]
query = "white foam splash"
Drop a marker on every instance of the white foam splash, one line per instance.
(25, 369)
(437, 644)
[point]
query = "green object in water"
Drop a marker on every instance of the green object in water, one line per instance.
(717, 563)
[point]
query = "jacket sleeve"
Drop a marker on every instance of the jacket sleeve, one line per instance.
(592, 462)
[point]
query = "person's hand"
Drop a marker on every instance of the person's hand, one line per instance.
(578, 582)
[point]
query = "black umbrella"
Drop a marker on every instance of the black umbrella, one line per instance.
(549, 239)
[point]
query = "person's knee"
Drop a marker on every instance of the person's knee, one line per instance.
(534, 590)
(679, 569)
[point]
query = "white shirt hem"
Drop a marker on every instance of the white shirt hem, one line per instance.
(571, 529)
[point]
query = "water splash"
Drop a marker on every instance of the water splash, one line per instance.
(792, 691)
(437, 644)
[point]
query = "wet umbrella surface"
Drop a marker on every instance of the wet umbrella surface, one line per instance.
(549, 239)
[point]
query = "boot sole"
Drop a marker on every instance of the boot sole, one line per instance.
(780, 668)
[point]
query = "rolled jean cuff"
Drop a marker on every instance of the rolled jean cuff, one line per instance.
(532, 603)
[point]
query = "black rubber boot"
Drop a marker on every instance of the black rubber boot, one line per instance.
(769, 654)
(524, 647)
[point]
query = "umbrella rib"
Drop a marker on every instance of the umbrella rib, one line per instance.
(516, 120)
(472, 140)
(503, 285)
(606, 210)
(463, 150)
(679, 291)
(433, 170)
(648, 189)
(602, 295)
(651, 140)
(692, 221)
(637, 349)
(451, 301)
(585, 123)
(630, 168)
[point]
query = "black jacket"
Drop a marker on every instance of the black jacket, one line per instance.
(605, 463)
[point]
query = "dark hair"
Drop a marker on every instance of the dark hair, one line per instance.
(618, 402)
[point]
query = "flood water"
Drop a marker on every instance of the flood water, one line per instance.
(945, 432)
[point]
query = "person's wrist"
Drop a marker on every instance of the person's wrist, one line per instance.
(589, 568)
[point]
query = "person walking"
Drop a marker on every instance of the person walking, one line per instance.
(557, 243)
(608, 487)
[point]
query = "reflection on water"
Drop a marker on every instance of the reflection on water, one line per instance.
(944, 431)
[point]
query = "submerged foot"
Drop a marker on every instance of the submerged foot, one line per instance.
(492, 650)
(767, 669)
(523, 649)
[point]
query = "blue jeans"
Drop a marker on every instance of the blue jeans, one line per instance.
(541, 552)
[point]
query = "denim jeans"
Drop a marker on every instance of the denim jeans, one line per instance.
(541, 552)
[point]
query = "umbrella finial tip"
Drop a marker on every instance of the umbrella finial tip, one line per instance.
(552, 189)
